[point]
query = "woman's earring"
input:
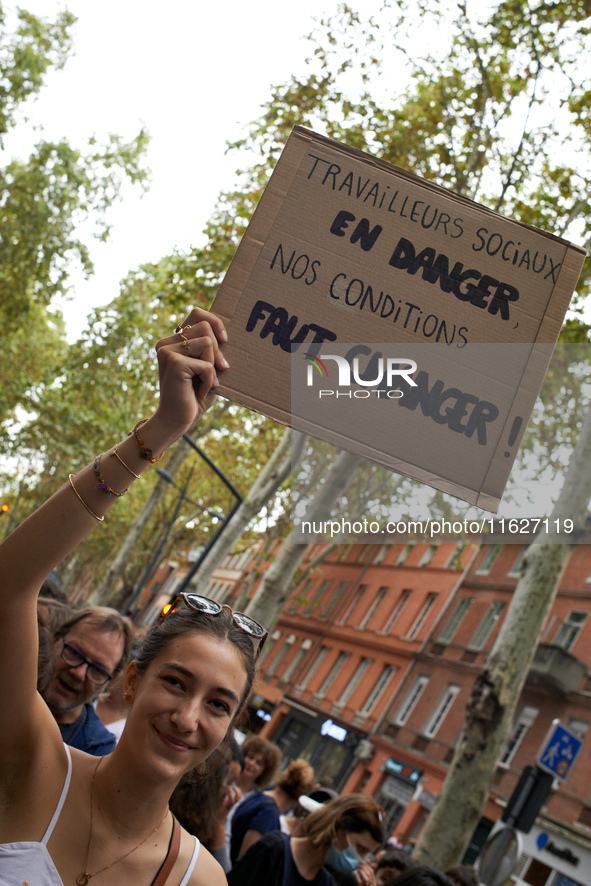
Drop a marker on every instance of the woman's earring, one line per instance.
(127, 697)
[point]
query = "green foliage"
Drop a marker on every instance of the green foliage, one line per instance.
(492, 103)
(25, 57)
(496, 110)
(43, 201)
(107, 381)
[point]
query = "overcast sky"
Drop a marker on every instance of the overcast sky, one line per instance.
(194, 73)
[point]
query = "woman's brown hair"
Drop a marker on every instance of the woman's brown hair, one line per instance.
(271, 754)
(353, 813)
(296, 779)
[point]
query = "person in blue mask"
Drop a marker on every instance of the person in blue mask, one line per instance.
(340, 834)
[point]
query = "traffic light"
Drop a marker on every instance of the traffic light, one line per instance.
(3, 509)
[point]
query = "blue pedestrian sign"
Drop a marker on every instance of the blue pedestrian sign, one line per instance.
(558, 751)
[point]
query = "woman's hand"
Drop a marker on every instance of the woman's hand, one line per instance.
(364, 874)
(189, 362)
(233, 795)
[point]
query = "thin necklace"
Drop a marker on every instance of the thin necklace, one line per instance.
(84, 877)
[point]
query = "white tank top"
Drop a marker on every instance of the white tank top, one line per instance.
(30, 862)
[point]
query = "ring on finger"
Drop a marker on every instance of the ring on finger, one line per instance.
(185, 343)
(180, 328)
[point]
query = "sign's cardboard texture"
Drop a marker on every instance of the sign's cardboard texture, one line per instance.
(346, 249)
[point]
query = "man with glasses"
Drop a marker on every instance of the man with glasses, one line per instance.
(90, 649)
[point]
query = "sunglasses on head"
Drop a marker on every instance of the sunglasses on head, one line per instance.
(207, 606)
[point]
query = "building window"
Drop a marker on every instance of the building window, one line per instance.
(378, 599)
(313, 604)
(287, 644)
(270, 642)
(403, 554)
(490, 557)
(335, 600)
(397, 610)
(428, 555)
(525, 720)
(412, 697)
(354, 682)
(300, 596)
(378, 689)
(455, 561)
(343, 656)
(441, 710)
(577, 727)
(360, 592)
(365, 552)
(296, 660)
(485, 628)
(570, 629)
(455, 619)
(516, 568)
(382, 554)
(314, 667)
(418, 623)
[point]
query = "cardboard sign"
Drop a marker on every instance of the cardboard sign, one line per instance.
(345, 249)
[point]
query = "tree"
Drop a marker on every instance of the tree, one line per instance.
(267, 603)
(496, 690)
(499, 112)
(43, 200)
(88, 395)
(270, 479)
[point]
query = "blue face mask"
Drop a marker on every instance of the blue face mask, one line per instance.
(343, 860)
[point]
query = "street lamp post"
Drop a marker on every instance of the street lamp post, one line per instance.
(187, 579)
(225, 519)
(183, 495)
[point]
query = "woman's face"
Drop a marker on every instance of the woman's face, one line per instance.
(363, 842)
(254, 765)
(185, 701)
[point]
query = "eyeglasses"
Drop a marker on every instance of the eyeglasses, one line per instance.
(74, 658)
(211, 607)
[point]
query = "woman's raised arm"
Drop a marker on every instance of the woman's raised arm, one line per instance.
(188, 362)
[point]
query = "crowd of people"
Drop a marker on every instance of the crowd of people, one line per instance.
(243, 805)
(121, 760)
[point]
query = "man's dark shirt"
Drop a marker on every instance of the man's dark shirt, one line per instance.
(87, 733)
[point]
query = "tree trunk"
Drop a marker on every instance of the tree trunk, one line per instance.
(274, 590)
(263, 489)
(490, 711)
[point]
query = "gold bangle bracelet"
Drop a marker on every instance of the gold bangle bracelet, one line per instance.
(81, 500)
(120, 460)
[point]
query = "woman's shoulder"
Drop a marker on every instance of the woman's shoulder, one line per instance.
(207, 871)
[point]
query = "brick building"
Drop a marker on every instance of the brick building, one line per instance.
(369, 669)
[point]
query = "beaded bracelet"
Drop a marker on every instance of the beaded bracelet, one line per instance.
(145, 451)
(102, 484)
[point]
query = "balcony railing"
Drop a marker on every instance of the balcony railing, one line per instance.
(555, 670)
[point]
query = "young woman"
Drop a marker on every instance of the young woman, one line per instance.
(340, 834)
(261, 812)
(66, 817)
(262, 759)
